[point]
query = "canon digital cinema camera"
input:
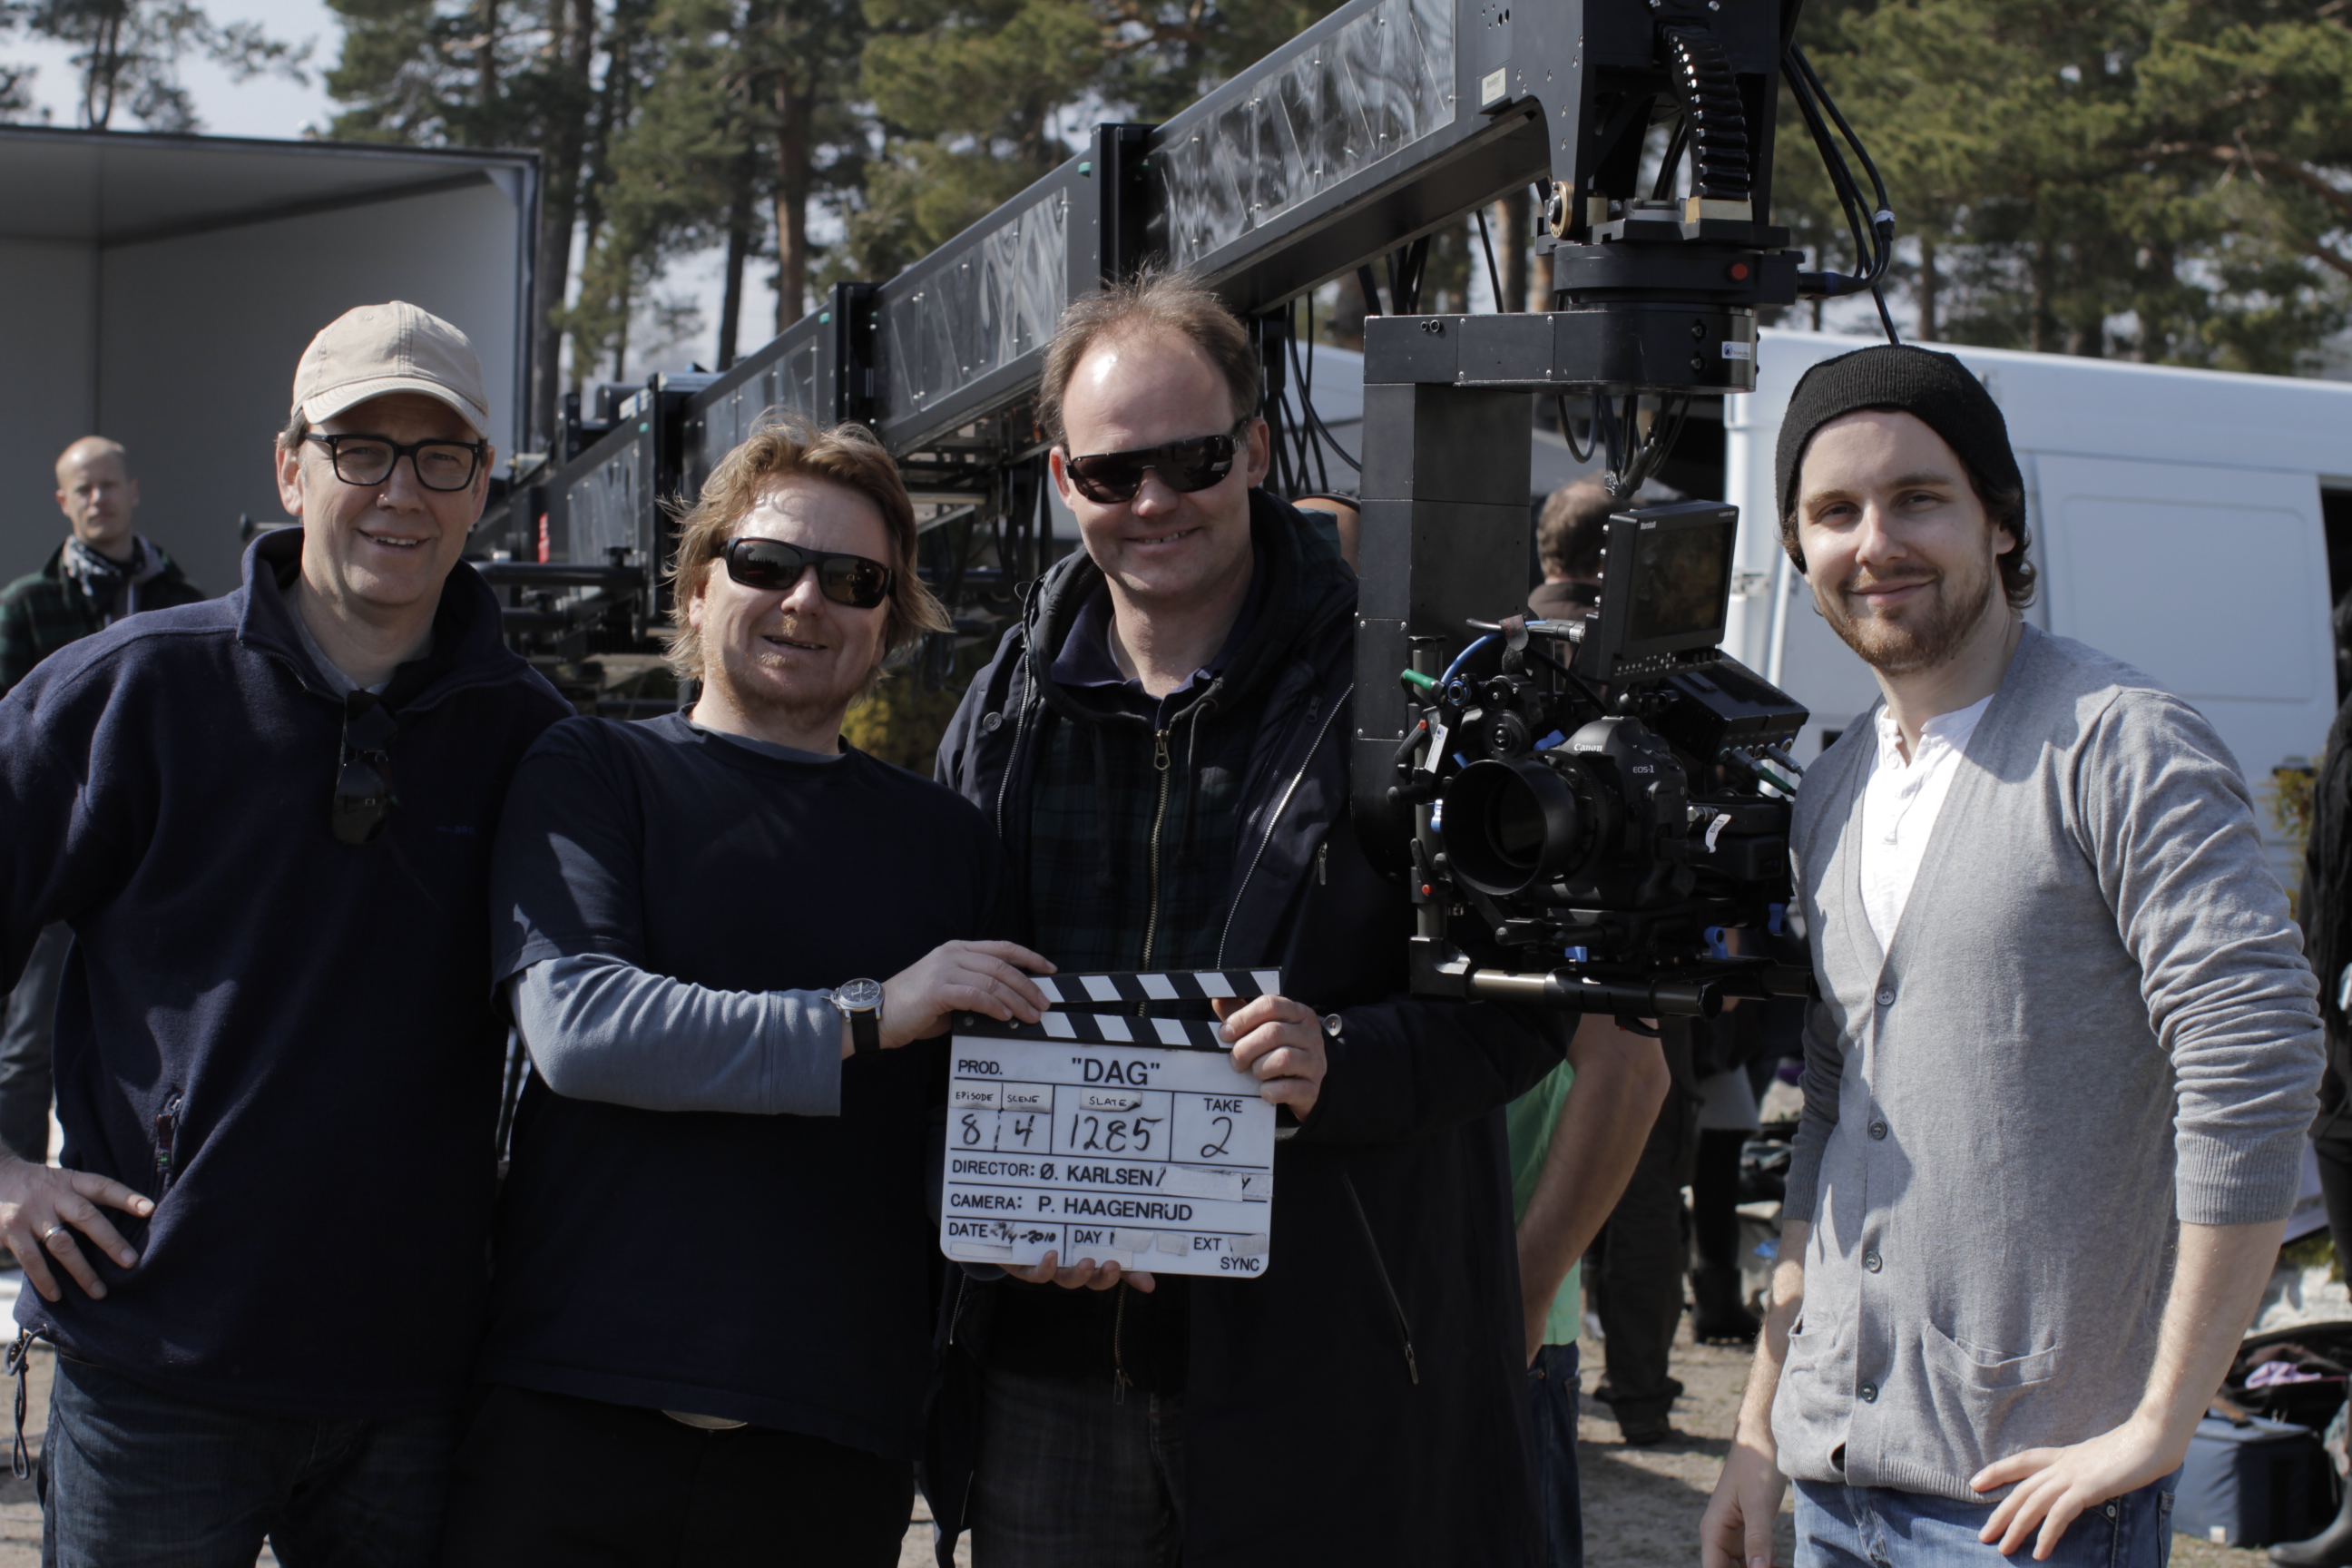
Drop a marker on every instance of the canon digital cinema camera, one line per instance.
(1590, 798)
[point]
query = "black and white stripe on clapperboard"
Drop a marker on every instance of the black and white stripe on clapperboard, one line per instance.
(1123, 989)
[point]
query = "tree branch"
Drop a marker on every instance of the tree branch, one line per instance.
(2295, 169)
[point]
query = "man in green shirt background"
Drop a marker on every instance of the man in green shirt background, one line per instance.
(1575, 1139)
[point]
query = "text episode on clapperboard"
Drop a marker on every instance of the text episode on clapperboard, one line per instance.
(1112, 1135)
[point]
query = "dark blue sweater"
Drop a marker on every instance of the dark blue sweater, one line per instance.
(312, 1021)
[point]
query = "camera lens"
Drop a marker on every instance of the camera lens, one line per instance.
(1512, 824)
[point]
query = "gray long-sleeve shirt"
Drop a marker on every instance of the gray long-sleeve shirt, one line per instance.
(598, 1028)
(2093, 1023)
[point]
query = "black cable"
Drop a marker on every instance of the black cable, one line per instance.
(1567, 432)
(1885, 319)
(1323, 433)
(1494, 278)
(1305, 381)
(1680, 140)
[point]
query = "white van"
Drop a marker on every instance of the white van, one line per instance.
(2193, 523)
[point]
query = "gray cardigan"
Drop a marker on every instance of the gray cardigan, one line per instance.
(2095, 1021)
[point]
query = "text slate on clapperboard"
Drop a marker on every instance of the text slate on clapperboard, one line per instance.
(1158, 1159)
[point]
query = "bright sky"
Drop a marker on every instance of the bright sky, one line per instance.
(264, 106)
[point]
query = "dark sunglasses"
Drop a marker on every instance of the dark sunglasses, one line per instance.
(770, 564)
(363, 797)
(1109, 478)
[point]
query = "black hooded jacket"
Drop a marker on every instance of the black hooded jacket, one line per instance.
(1364, 1400)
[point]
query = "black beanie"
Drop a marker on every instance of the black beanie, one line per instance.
(1935, 388)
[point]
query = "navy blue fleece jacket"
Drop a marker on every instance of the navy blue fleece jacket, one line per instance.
(309, 1025)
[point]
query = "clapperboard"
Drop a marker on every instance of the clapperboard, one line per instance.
(1113, 1135)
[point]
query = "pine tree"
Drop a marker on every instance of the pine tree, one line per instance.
(129, 54)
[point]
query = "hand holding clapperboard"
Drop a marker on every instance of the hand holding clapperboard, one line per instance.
(1111, 1136)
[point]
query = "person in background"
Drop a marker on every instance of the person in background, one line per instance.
(2059, 1078)
(1569, 537)
(1347, 515)
(1575, 1140)
(2325, 907)
(267, 819)
(102, 571)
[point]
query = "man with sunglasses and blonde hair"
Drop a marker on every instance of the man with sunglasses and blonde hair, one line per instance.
(1163, 743)
(712, 1330)
(268, 821)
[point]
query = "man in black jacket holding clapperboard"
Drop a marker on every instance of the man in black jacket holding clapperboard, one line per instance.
(1161, 745)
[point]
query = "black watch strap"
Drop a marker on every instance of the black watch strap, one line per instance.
(865, 1033)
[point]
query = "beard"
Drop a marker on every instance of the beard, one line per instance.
(1931, 629)
(742, 673)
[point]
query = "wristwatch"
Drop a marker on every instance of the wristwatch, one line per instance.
(860, 1002)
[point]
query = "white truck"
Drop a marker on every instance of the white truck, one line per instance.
(159, 289)
(2194, 524)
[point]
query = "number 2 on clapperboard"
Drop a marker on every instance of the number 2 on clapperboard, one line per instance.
(1022, 1127)
(1211, 1150)
(1120, 1135)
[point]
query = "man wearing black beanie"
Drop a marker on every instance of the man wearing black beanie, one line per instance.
(2056, 1087)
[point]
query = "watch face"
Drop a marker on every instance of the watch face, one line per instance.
(860, 996)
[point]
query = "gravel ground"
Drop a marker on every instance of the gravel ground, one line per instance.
(1642, 1506)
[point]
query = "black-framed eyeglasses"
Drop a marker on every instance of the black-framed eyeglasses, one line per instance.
(363, 797)
(770, 564)
(1110, 478)
(368, 459)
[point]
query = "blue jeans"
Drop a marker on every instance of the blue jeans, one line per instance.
(1551, 1397)
(1875, 1527)
(131, 1478)
(1071, 1478)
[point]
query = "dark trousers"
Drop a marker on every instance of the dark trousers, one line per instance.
(131, 1478)
(2331, 1142)
(547, 1478)
(1071, 1476)
(27, 1033)
(1551, 1398)
(1634, 1276)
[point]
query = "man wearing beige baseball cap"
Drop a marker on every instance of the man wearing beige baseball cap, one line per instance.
(267, 819)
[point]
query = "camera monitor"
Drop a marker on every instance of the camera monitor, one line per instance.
(1665, 590)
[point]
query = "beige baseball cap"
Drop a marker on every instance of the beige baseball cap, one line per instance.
(379, 348)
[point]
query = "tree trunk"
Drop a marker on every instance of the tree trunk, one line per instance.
(2045, 322)
(621, 339)
(796, 127)
(563, 149)
(105, 68)
(739, 249)
(486, 58)
(1930, 285)
(1511, 235)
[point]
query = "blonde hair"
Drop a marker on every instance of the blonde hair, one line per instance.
(786, 447)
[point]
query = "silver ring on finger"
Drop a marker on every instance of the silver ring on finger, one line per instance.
(51, 1233)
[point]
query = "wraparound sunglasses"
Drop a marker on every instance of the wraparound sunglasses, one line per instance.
(770, 564)
(1111, 478)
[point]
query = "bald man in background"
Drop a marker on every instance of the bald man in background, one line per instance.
(102, 573)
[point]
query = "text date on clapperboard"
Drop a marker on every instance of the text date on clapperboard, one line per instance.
(1160, 1160)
